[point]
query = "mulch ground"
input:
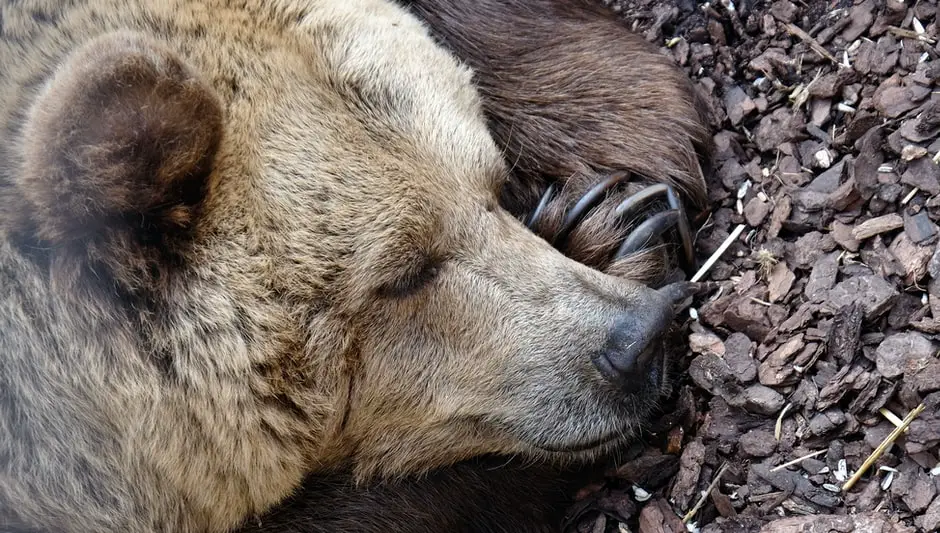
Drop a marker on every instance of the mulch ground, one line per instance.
(825, 331)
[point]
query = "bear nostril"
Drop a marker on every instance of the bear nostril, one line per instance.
(632, 343)
(626, 353)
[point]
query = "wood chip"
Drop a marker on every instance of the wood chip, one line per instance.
(877, 226)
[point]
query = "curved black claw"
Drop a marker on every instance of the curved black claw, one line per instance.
(658, 224)
(676, 292)
(680, 290)
(590, 200)
(546, 198)
(642, 235)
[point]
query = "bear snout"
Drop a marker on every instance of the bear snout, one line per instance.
(634, 339)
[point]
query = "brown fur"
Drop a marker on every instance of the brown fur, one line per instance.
(121, 131)
(116, 149)
(319, 282)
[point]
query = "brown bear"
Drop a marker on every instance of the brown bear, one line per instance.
(578, 62)
(249, 244)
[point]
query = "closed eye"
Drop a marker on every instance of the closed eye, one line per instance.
(413, 280)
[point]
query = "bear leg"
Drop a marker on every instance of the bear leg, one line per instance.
(573, 97)
(479, 496)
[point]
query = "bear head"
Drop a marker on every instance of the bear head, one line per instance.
(301, 230)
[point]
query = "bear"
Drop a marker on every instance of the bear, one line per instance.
(250, 247)
(516, 48)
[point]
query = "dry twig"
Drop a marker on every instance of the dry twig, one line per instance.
(778, 427)
(793, 29)
(701, 501)
(885, 444)
(908, 34)
(718, 253)
(797, 460)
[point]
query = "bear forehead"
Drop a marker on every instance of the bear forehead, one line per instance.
(342, 107)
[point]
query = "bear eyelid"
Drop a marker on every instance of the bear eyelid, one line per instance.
(419, 276)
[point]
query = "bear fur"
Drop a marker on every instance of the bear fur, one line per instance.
(251, 248)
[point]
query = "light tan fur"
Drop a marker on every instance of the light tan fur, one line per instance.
(296, 265)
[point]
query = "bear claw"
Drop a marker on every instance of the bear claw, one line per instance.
(641, 236)
(590, 200)
(658, 224)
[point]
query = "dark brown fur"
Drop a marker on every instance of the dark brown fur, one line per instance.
(116, 154)
(572, 96)
(484, 496)
(128, 133)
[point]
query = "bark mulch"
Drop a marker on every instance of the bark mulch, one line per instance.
(825, 331)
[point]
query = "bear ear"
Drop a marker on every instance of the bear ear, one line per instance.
(121, 139)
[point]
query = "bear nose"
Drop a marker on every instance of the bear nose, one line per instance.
(635, 334)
